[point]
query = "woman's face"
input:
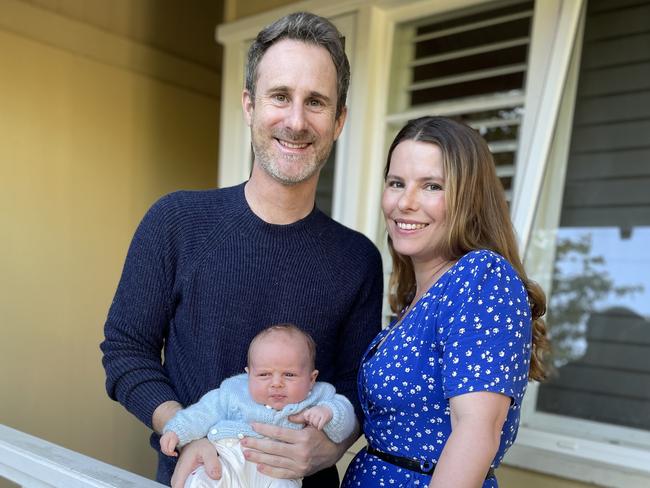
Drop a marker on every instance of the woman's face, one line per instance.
(413, 201)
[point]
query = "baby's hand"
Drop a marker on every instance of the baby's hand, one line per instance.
(168, 443)
(318, 416)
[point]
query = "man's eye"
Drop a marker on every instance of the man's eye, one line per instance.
(280, 98)
(394, 184)
(315, 103)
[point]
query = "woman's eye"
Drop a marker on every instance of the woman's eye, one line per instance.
(433, 187)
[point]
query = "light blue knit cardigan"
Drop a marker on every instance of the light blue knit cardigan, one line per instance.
(227, 412)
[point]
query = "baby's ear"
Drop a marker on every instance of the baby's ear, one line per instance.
(314, 375)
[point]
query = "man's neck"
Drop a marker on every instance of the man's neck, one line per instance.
(276, 203)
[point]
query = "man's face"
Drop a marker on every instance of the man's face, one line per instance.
(293, 116)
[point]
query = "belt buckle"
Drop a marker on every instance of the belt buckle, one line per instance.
(426, 467)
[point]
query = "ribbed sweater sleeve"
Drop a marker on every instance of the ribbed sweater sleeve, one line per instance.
(138, 318)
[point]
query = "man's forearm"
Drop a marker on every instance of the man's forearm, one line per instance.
(163, 413)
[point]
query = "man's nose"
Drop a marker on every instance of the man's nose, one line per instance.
(296, 118)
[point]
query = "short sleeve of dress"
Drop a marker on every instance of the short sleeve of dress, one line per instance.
(486, 328)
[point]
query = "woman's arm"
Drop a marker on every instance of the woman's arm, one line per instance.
(476, 422)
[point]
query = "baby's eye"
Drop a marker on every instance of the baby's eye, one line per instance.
(290, 375)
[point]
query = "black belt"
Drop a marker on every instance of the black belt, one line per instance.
(425, 467)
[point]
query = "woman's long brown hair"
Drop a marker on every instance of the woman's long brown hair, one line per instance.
(477, 218)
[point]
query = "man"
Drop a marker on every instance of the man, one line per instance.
(206, 271)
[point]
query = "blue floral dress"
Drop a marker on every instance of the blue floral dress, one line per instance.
(470, 332)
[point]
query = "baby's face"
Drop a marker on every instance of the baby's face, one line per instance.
(280, 372)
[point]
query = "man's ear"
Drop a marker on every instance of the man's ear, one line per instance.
(248, 104)
(339, 122)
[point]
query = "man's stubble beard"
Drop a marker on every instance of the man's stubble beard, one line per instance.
(267, 158)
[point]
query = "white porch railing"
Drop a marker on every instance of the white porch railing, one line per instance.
(34, 463)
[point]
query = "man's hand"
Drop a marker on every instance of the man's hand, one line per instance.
(291, 454)
(193, 455)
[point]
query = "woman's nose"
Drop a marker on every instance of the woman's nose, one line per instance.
(407, 200)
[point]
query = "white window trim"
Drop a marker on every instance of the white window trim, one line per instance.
(550, 444)
(554, 32)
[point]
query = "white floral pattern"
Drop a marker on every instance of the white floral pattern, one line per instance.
(470, 332)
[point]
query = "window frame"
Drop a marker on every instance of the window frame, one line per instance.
(547, 443)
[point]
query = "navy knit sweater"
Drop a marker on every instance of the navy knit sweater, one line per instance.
(204, 275)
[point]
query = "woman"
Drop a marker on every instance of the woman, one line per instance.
(442, 387)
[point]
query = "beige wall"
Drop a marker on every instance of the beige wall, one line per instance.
(86, 145)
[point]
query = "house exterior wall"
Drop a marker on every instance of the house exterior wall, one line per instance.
(94, 127)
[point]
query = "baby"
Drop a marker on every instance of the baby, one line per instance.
(280, 381)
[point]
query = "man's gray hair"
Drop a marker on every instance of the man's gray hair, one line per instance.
(308, 28)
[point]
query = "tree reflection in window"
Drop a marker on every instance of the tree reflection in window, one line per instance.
(581, 282)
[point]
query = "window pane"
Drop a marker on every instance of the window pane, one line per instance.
(469, 54)
(598, 311)
(599, 305)
(469, 64)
